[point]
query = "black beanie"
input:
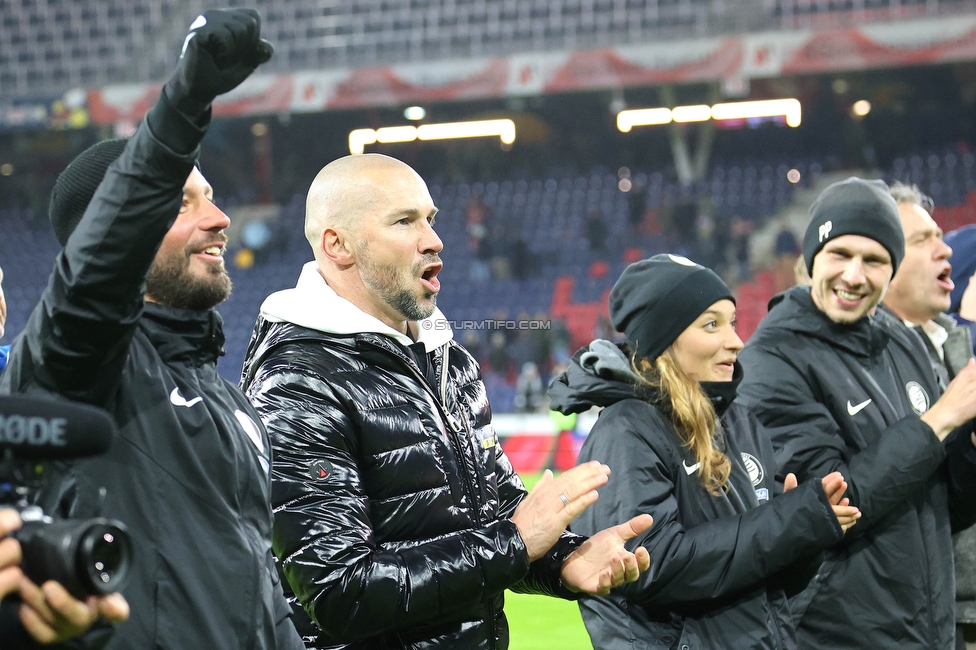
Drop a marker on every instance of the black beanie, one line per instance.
(855, 207)
(656, 299)
(76, 185)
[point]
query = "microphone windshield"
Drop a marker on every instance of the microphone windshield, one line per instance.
(35, 428)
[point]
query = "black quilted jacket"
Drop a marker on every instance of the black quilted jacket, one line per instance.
(391, 496)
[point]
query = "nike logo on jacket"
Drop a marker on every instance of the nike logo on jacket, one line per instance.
(178, 400)
(854, 409)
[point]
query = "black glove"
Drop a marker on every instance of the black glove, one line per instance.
(223, 48)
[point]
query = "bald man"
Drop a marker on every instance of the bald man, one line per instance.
(399, 521)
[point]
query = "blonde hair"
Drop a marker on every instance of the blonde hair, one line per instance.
(693, 416)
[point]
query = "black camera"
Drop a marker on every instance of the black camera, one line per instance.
(87, 556)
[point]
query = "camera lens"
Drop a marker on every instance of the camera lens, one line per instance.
(104, 554)
(88, 557)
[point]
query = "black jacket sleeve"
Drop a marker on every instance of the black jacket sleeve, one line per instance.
(544, 574)
(808, 441)
(78, 335)
(708, 561)
(960, 477)
(349, 583)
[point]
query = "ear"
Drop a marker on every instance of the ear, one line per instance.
(337, 247)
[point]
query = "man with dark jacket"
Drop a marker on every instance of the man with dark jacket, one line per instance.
(127, 323)
(841, 389)
(917, 299)
(398, 519)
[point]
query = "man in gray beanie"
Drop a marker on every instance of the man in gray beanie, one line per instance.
(841, 388)
(127, 323)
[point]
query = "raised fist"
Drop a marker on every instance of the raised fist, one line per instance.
(222, 49)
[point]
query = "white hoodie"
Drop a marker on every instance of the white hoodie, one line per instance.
(316, 305)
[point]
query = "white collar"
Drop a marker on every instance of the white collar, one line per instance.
(316, 305)
(937, 334)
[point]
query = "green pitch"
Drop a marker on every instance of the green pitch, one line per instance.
(543, 623)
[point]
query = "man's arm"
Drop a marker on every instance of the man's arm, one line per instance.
(544, 574)
(960, 477)
(563, 564)
(809, 443)
(79, 333)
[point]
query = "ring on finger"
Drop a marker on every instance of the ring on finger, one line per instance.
(564, 499)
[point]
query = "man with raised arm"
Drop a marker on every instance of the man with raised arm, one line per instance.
(127, 323)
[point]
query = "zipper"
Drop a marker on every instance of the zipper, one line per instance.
(452, 421)
(455, 430)
(933, 631)
(773, 621)
(458, 430)
(452, 424)
(456, 426)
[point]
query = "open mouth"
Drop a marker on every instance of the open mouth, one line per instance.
(944, 280)
(214, 251)
(429, 278)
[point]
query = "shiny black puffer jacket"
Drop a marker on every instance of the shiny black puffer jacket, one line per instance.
(391, 496)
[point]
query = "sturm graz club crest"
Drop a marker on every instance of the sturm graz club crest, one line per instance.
(753, 467)
(917, 397)
(756, 474)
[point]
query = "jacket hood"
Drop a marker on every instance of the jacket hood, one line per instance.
(184, 334)
(794, 311)
(316, 305)
(599, 375)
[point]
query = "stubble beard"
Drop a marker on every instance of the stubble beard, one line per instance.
(390, 285)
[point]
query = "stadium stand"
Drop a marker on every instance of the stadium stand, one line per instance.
(50, 46)
(559, 275)
(567, 284)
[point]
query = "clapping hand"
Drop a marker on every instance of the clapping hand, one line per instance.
(553, 503)
(834, 487)
(602, 563)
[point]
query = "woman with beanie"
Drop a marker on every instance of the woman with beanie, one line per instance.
(725, 554)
